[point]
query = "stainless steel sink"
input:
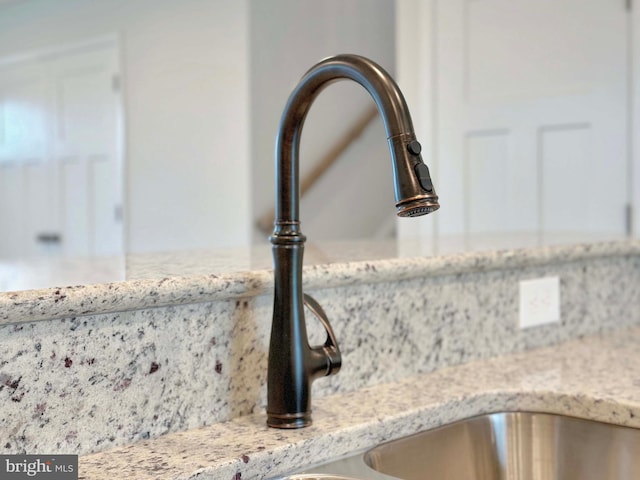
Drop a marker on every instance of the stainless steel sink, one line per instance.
(501, 446)
(506, 446)
(317, 476)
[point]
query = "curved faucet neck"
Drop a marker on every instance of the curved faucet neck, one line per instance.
(373, 78)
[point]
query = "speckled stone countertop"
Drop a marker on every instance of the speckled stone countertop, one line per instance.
(597, 377)
(169, 280)
(160, 376)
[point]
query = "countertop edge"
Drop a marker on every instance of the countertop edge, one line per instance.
(72, 301)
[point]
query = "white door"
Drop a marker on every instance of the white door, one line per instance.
(60, 155)
(26, 194)
(530, 115)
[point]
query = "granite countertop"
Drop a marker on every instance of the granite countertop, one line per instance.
(594, 377)
(182, 278)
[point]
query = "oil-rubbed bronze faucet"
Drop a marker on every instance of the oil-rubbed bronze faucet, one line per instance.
(293, 364)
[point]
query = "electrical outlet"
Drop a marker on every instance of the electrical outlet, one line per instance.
(539, 301)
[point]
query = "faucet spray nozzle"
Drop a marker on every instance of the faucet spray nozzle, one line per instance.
(418, 207)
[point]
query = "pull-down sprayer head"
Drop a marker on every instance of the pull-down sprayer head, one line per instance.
(415, 195)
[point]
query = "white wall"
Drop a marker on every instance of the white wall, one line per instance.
(355, 199)
(185, 67)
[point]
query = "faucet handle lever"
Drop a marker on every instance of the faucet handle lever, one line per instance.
(330, 352)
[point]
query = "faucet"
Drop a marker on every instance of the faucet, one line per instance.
(293, 363)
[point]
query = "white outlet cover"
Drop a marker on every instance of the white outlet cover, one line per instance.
(539, 301)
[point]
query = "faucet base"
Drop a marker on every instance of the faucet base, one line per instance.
(289, 420)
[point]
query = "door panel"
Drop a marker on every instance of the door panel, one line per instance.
(552, 73)
(104, 210)
(23, 115)
(74, 190)
(564, 153)
(487, 197)
(11, 194)
(39, 209)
